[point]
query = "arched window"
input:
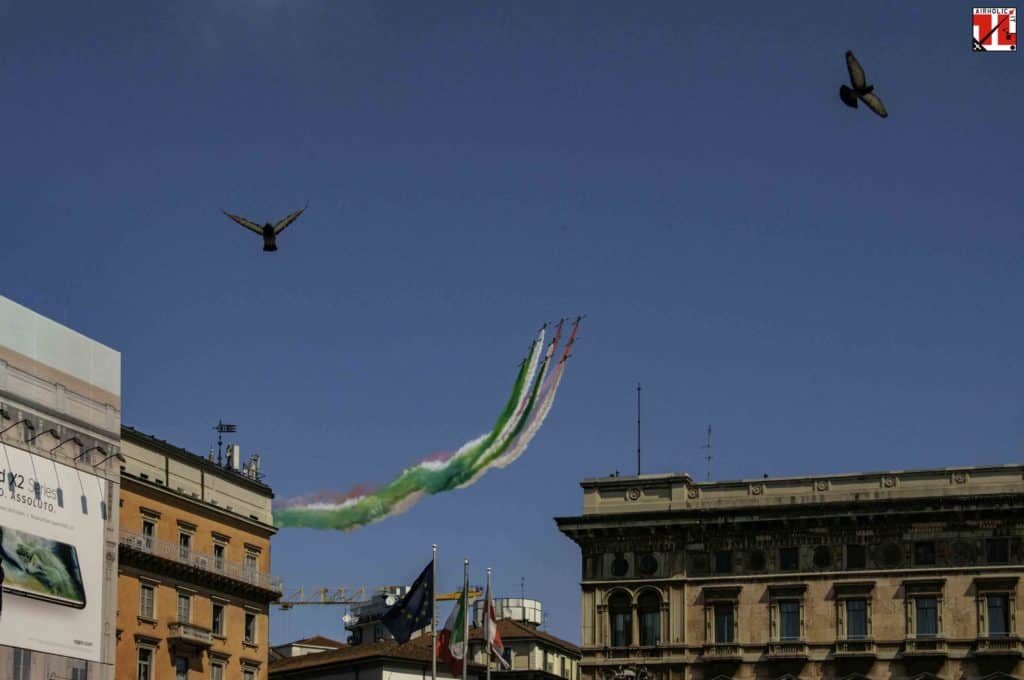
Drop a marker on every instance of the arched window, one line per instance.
(649, 609)
(621, 614)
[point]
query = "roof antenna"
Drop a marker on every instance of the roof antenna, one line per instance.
(221, 428)
(638, 429)
(707, 457)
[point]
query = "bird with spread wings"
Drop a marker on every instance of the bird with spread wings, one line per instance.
(268, 231)
(860, 90)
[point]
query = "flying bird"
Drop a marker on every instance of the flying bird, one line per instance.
(268, 231)
(860, 90)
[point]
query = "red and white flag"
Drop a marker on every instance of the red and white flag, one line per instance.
(491, 630)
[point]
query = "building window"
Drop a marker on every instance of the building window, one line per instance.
(216, 670)
(185, 546)
(80, 673)
(506, 654)
(926, 616)
(853, 610)
(786, 614)
(720, 624)
(997, 550)
(723, 561)
(620, 612)
(22, 666)
(924, 553)
(924, 608)
(251, 561)
(856, 619)
(998, 607)
(789, 620)
(996, 604)
(217, 621)
(184, 607)
(218, 557)
(565, 671)
(856, 556)
(148, 532)
(145, 665)
(180, 668)
(248, 674)
(725, 623)
(789, 559)
(250, 628)
(146, 600)
(649, 610)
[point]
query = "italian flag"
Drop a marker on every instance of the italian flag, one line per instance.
(451, 642)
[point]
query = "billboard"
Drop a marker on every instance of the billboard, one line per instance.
(51, 550)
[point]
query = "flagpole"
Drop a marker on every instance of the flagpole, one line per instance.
(433, 613)
(465, 618)
(488, 633)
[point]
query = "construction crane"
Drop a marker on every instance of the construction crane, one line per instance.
(341, 596)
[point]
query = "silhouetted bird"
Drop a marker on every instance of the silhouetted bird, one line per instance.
(268, 231)
(860, 90)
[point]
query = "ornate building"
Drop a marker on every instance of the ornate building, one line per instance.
(883, 575)
(194, 583)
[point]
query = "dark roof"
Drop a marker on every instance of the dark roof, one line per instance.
(316, 641)
(131, 434)
(416, 651)
(514, 630)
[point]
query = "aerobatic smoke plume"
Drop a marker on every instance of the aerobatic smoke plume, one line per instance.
(533, 393)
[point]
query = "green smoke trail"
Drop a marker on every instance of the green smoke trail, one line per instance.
(465, 466)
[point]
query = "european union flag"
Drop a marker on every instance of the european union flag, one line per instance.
(415, 610)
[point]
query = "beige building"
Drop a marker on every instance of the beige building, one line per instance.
(906, 574)
(194, 583)
(60, 421)
(379, 660)
(531, 653)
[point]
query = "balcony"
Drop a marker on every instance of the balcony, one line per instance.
(787, 649)
(998, 646)
(924, 647)
(168, 550)
(862, 648)
(723, 651)
(189, 633)
(634, 652)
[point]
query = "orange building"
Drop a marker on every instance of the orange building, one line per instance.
(194, 583)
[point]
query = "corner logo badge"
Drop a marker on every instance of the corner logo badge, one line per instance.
(995, 29)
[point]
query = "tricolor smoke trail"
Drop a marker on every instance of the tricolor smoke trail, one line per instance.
(533, 394)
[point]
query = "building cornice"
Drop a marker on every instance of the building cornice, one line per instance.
(148, 489)
(130, 434)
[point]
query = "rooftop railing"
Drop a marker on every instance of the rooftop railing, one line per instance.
(169, 550)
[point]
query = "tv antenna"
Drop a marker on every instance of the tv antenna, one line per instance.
(707, 456)
(221, 428)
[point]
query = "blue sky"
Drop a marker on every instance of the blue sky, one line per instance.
(833, 292)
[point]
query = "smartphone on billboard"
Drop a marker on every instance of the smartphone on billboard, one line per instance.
(41, 568)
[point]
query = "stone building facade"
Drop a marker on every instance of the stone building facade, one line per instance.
(194, 583)
(909, 574)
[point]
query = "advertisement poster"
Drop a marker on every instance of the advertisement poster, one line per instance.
(51, 550)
